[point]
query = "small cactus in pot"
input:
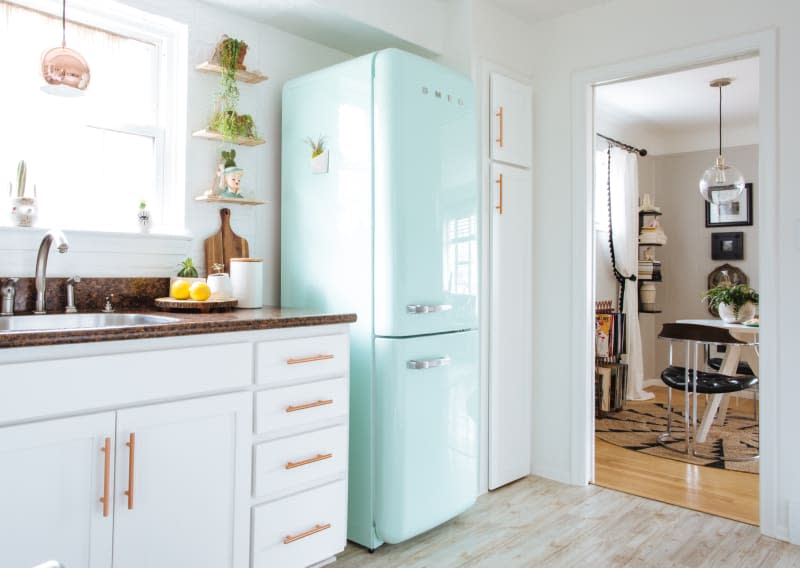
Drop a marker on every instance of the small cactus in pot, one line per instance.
(24, 210)
(144, 217)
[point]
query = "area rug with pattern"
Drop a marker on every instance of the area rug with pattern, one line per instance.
(638, 425)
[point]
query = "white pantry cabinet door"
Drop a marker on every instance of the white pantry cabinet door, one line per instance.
(511, 332)
(189, 472)
(512, 121)
(51, 482)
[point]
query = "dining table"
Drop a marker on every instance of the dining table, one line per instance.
(717, 408)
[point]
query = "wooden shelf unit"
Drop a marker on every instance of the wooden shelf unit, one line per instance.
(242, 75)
(215, 199)
(211, 135)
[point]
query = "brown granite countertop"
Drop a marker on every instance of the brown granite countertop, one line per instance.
(188, 324)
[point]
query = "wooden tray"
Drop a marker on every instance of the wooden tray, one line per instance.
(171, 304)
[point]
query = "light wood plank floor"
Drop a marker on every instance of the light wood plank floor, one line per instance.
(729, 494)
(537, 522)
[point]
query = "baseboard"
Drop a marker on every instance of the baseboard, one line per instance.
(560, 475)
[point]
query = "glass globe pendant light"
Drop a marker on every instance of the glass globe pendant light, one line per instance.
(721, 182)
(64, 70)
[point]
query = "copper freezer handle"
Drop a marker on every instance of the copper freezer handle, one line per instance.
(131, 443)
(106, 498)
(318, 457)
(309, 532)
(309, 405)
(311, 359)
(499, 114)
(500, 183)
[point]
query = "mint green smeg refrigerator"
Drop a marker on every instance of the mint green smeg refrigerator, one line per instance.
(385, 224)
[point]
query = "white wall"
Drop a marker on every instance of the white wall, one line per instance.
(616, 32)
(277, 54)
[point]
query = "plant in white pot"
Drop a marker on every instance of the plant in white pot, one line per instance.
(24, 210)
(319, 155)
(735, 303)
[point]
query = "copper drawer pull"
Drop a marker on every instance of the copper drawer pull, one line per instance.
(309, 405)
(500, 183)
(106, 498)
(499, 114)
(131, 443)
(318, 457)
(309, 359)
(309, 532)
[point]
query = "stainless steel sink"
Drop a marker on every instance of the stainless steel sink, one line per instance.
(53, 322)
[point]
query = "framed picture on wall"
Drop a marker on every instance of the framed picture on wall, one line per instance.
(736, 213)
(727, 246)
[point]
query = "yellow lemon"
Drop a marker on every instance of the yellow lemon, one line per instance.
(200, 291)
(179, 290)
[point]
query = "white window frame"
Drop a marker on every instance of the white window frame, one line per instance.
(171, 40)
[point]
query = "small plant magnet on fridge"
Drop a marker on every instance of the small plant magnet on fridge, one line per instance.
(320, 158)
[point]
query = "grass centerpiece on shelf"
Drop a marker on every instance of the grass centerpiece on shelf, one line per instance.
(736, 303)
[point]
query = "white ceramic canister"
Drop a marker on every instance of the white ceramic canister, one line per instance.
(220, 285)
(247, 280)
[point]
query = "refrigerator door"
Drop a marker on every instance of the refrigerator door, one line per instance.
(426, 423)
(425, 197)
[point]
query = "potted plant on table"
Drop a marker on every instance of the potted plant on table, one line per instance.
(736, 303)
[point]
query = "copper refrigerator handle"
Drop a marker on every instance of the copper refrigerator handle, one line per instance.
(318, 457)
(317, 528)
(308, 405)
(106, 498)
(131, 443)
(499, 182)
(500, 139)
(311, 359)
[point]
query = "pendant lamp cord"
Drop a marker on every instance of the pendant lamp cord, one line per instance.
(617, 274)
(64, 23)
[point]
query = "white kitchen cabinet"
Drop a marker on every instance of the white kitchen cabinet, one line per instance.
(511, 121)
(181, 484)
(511, 329)
(51, 481)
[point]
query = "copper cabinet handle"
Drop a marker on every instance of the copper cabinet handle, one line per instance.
(318, 457)
(308, 405)
(106, 498)
(500, 183)
(309, 532)
(311, 359)
(499, 114)
(131, 443)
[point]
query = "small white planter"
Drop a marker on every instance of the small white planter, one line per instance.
(746, 312)
(319, 164)
(24, 211)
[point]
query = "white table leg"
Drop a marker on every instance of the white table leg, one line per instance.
(729, 365)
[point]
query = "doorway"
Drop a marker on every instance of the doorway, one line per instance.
(663, 135)
(762, 44)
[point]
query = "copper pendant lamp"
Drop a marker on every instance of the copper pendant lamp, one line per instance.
(64, 70)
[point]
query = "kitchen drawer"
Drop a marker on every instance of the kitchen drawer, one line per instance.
(299, 405)
(302, 529)
(291, 462)
(304, 358)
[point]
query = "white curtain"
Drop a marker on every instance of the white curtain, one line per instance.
(625, 219)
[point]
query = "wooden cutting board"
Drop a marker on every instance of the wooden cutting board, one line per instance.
(225, 244)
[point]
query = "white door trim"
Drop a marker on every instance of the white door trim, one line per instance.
(764, 44)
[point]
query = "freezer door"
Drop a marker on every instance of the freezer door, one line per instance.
(426, 423)
(426, 197)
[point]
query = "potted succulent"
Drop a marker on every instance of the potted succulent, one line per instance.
(319, 155)
(23, 209)
(144, 217)
(736, 303)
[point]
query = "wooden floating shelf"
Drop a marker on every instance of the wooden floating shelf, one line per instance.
(650, 311)
(210, 135)
(650, 245)
(242, 75)
(653, 213)
(215, 199)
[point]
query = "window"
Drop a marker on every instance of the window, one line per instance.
(93, 158)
